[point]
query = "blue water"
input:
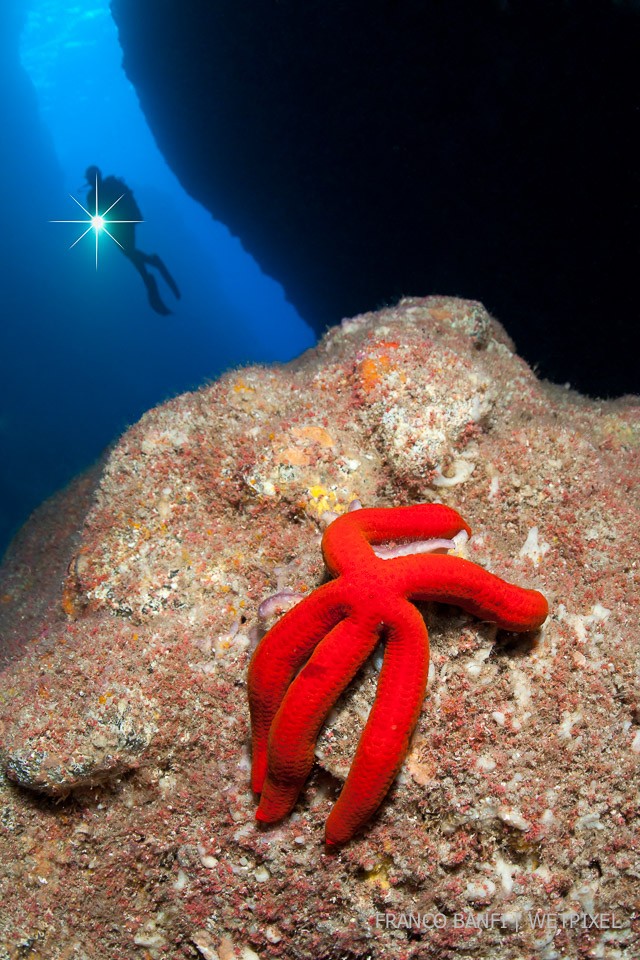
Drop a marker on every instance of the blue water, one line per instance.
(82, 355)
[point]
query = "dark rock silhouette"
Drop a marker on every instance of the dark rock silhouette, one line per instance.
(366, 150)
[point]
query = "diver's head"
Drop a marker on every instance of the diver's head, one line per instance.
(92, 174)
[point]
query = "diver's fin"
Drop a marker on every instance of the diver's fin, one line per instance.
(155, 301)
(157, 262)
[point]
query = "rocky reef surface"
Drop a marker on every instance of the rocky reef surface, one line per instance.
(129, 610)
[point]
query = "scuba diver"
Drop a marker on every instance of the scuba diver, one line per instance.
(113, 195)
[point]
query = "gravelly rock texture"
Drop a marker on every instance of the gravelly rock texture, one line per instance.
(127, 823)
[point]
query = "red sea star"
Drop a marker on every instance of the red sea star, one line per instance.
(336, 628)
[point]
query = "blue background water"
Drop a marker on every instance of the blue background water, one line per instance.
(82, 355)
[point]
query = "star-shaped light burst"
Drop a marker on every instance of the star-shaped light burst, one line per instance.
(97, 221)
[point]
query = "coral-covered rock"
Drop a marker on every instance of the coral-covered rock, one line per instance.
(128, 820)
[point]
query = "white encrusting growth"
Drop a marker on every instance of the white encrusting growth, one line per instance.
(462, 470)
(534, 547)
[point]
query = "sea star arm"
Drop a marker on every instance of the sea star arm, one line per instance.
(447, 579)
(309, 699)
(346, 544)
(370, 592)
(279, 655)
(385, 739)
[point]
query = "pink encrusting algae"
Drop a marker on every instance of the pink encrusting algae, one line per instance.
(130, 608)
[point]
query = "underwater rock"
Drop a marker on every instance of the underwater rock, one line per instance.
(364, 150)
(123, 717)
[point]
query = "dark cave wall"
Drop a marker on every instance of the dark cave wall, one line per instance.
(362, 151)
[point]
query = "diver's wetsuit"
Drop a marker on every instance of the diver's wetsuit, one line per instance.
(116, 197)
